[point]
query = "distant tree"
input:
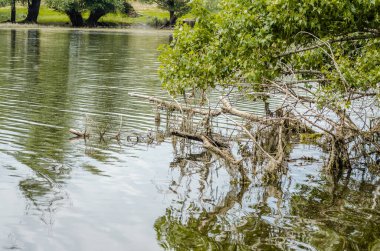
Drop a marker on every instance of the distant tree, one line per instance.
(4, 3)
(72, 8)
(13, 11)
(75, 8)
(176, 8)
(33, 11)
(99, 8)
(12, 3)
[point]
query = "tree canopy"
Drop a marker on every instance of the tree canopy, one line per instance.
(319, 56)
(176, 8)
(259, 41)
(97, 8)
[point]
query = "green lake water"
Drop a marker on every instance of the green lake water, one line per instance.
(57, 193)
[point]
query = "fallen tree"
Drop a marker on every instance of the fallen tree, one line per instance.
(176, 106)
(220, 145)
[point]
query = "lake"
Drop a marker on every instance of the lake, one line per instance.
(59, 193)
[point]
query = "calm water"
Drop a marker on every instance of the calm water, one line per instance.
(62, 194)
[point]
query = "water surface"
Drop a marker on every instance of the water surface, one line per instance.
(62, 194)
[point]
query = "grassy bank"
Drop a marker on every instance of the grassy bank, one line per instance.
(148, 15)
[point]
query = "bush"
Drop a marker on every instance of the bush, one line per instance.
(158, 22)
(129, 10)
(4, 3)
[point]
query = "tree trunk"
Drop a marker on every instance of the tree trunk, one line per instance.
(76, 18)
(13, 11)
(33, 11)
(94, 17)
(339, 158)
(173, 18)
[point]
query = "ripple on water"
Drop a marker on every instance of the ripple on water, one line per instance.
(61, 194)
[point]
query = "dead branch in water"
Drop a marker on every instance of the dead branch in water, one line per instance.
(177, 106)
(227, 108)
(219, 148)
(199, 138)
(281, 119)
(79, 134)
(222, 152)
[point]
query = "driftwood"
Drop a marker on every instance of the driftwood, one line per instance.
(200, 138)
(78, 133)
(224, 153)
(227, 108)
(291, 121)
(214, 146)
(178, 107)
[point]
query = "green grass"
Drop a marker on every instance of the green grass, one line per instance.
(46, 16)
(145, 16)
(5, 13)
(51, 17)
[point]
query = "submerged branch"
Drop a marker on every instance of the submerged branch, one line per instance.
(227, 108)
(215, 146)
(198, 137)
(177, 106)
(78, 133)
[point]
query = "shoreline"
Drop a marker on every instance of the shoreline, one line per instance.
(119, 29)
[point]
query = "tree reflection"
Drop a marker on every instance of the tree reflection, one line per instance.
(213, 212)
(43, 141)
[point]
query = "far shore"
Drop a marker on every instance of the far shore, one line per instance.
(132, 28)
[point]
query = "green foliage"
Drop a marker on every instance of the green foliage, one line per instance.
(4, 3)
(258, 42)
(66, 5)
(105, 5)
(82, 5)
(7, 2)
(212, 4)
(97, 9)
(179, 7)
(157, 22)
(50, 16)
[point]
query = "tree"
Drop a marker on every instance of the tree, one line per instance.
(33, 11)
(327, 50)
(72, 8)
(13, 11)
(75, 8)
(176, 8)
(100, 8)
(4, 3)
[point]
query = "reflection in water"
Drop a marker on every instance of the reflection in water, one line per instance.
(13, 43)
(296, 209)
(45, 156)
(212, 213)
(49, 82)
(111, 194)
